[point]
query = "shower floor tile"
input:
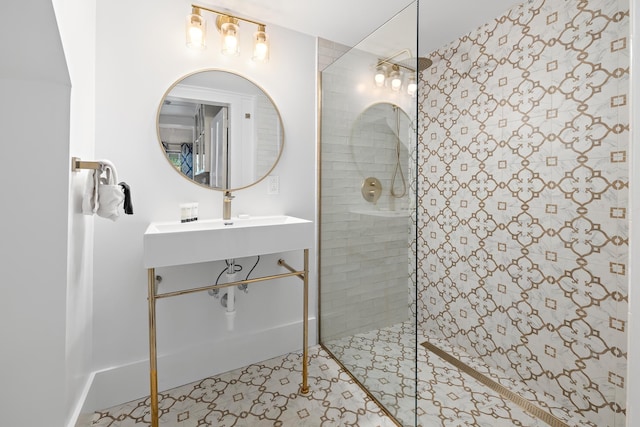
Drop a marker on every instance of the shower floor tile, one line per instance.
(384, 362)
(261, 394)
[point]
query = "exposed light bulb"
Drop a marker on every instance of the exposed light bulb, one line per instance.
(396, 84)
(195, 37)
(380, 76)
(412, 86)
(260, 45)
(230, 44)
(396, 79)
(260, 51)
(196, 30)
(229, 31)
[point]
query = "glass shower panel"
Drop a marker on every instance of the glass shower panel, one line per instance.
(367, 227)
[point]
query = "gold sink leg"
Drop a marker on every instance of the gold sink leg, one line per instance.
(305, 325)
(304, 275)
(153, 357)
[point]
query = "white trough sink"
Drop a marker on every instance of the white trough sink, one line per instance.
(175, 243)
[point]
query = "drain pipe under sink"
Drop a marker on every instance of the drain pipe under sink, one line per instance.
(231, 295)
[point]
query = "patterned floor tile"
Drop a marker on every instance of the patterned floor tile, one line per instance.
(261, 394)
(384, 361)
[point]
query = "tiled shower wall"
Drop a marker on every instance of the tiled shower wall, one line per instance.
(363, 254)
(523, 199)
(269, 131)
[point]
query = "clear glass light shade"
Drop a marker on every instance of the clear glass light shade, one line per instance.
(412, 86)
(196, 31)
(396, 80)
(380, 76)
(260, 45)
(230, 45)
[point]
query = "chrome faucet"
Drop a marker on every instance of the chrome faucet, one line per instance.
(226, 205)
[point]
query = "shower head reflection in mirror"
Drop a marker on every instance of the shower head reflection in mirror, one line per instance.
(379, 142)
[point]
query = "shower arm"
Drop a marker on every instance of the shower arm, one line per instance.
(398, 167)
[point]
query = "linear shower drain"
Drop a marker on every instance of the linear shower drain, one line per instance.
(529, 407)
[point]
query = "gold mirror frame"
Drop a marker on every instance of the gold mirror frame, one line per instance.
(247, 80)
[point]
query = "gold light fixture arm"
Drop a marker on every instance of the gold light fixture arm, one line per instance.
(227, 16)
(389, 60)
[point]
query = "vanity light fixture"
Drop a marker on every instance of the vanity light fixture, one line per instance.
(229, 28)
(391, 73)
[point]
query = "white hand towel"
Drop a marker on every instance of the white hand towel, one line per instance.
(90, 197)
(110, 195)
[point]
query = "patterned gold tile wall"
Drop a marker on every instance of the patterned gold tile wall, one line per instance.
(523, 199)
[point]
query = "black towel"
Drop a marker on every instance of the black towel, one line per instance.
(128, 205)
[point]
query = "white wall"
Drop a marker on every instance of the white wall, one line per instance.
(34, 123)
(76, 21)
(140, 53)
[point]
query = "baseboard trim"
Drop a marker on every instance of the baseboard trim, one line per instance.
(82, 414)
(125, 383)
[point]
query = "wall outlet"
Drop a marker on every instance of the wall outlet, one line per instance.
(273, 184)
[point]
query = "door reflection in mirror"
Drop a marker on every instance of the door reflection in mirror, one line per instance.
(220, 130)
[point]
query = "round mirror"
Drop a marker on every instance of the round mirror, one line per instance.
(379, 142)
(219, 130)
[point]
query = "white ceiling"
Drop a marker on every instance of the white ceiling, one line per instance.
(350, 21)
(442, 21)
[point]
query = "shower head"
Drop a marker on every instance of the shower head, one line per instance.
(412, 63)
(424, 63)
(421, 62)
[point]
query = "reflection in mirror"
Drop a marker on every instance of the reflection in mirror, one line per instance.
(379, 145)
(220, 130)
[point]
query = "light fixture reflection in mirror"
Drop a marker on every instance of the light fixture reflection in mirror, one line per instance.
(379, 143)
(400, 72)
(396, 80)
(412, 86)
(219, 130)
(380, 76)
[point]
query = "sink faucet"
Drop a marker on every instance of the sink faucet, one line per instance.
(226, 205)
